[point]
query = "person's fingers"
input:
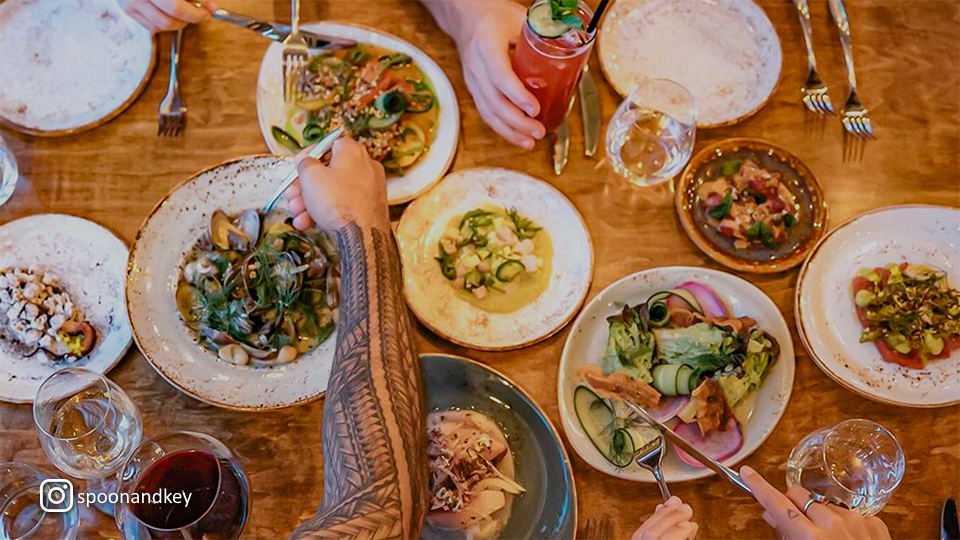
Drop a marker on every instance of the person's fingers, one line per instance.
(505, 109)
(662, 512)
(297, 206)
(137, 16)
(682, 531)
(182, 10)
(676, 516)
(159, 20)
(798, 496)
(302, 222)
(787, 519)
(209, 5)
(494, 121)
(293, 191)
(496, 58)
(824, 517)
(876, 528)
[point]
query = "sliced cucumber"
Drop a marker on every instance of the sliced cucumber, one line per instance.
(665, 378)
(596, 419)
(540, 20)
(509, 270)
(685, 376)
(621, 448)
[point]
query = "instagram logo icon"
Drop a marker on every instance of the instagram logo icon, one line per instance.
(56, 495)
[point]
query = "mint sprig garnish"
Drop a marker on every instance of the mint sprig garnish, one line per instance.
(565, 11)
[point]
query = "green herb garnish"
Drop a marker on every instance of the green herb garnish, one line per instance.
(721, 210)
(565, 11)
(731, 167)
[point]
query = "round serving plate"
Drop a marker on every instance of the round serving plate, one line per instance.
(725, 52)
(90, 262)
(548, 509)
(759, 414)
(798, 178)
(435, 302)
(163, 241)
(826, 315)
(53, 87)
(431, 167)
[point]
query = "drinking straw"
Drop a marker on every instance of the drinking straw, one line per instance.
(596, 16)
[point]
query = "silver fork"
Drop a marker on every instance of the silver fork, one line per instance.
(597, 529)
(294, 56)
(815, 96)
(856, 117)
(650, 457)
(173, 113)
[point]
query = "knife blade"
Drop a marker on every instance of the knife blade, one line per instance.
(949, 524)
(589, 111)
(279, 32)
(561, 146)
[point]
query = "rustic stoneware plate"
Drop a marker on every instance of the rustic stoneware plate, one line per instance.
(90, 262)
(826, 315)
(548, 510)
(434, 300)
(759, 414)
(798, 178)
(725, 52)
(51, 85)
(163, 241)
(431, 167)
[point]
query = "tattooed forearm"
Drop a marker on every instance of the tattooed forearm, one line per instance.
(374, 447)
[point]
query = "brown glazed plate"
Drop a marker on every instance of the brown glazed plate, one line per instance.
(799, 180)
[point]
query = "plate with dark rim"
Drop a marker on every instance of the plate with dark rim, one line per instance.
(809, 204)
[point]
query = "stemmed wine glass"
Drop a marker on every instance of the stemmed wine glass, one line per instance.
(88, 428)
(23, 508)
(181, 464)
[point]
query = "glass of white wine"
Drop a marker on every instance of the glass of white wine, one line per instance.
(856, 464)
(88, 427)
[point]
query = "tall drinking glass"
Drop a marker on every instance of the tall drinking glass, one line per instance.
(650, 137)
(22, 514)
(88, 428)
(856, 463)
(9, 173)
(550, 67)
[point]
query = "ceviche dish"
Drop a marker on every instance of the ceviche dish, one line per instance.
(380, 97)
(685, 358)
(472, 482)
(256, 291)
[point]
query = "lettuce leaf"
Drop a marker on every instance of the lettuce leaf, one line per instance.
(629, 346)
(762, 352)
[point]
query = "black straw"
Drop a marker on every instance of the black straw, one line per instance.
(596, 16)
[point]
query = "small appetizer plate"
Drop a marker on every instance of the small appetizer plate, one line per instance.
(424, 173)
(52, 86)
(548, 508)
(166, 236)
(436, 302)
(758, 415)
(89, 261)
(809, 208)
(725, 52)
(826, 314)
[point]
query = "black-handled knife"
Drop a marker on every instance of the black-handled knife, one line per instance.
(949, 524)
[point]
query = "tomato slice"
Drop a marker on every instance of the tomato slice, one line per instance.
(911, 360)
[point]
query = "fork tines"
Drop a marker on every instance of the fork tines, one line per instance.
(294, 62)
(593, 529)
(171, 124)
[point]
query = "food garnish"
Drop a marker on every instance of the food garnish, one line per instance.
(555, 17)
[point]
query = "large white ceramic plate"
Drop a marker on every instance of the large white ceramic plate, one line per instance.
(725, 52)
(425, 173)
(163, 241)
(69, 65)
(825, 313)
(90, 262)
(432, 298)
(758, 414)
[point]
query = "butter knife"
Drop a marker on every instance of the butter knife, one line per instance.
(279, 32)
(589, 111)
(561, 146)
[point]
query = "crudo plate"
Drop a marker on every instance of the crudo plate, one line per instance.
(758, 414)
(827, 319)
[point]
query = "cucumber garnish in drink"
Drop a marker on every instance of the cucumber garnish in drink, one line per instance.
(552, 19)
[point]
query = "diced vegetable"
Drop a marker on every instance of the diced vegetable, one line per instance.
(509, 270)
(285, 139)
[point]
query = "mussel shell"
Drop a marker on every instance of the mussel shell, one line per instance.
(219, 229)
(249, 224)
(188, 301)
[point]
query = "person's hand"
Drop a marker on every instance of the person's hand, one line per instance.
(784, 512)
(483, 38)
(162, 15)
(353, 188)
(671, 521)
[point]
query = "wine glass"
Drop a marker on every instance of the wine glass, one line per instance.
(22, 506)
(650, 137)
(88, 428)
(177, 465)
(856, 463)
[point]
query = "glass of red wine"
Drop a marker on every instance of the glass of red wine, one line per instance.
(183, 486)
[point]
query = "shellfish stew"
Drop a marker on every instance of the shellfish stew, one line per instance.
(257, 291)
(682, 355)
(382, 98)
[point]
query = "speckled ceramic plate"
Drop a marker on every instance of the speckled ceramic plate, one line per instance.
(799, 179)
(431, 167)
(434, 300)
(759, 414)
(163, 241)
(826, 315)
(548, 510)
(90, 262)
(725, 52)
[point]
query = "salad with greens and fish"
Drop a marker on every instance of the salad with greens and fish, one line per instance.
(686, 359)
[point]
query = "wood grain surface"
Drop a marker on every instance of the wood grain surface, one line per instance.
(908, 53)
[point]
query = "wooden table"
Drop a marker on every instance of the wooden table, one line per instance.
(909, 60)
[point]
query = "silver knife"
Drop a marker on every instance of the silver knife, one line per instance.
(561, 146)
(279, 32)
(589, 111)
(949, 524)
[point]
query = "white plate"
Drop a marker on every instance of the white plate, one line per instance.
(90, 262)
(434, 301)
(758, 414)
(163, 241)
(415, 180)
(725, 52)
(825, 313)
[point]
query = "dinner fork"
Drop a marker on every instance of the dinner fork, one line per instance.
(173, 113)
(294, 56)
(650, 457)
(593, 529)
(815, 95)
(856, 117)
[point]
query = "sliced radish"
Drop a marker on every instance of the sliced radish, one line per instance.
(668, 409)
(712, 305)
(719, 445)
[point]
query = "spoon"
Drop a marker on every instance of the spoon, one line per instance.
(650, 457)
(316, 152)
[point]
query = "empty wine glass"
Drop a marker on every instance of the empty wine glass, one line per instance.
(88, 428)
(650, 137)
(23, 509)
(856, 463)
